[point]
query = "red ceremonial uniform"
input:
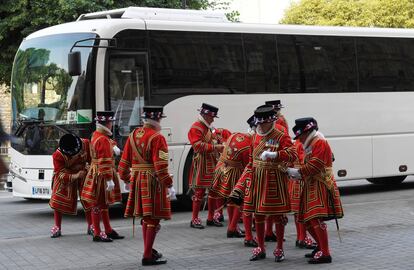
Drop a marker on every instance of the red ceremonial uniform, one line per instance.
(205, 156)
(102, 169)
(64, 184)
(266, 183)
(221, 135)
(231, 164)
(295, 187)
(281, 120)
(144, 163)
(320, 195)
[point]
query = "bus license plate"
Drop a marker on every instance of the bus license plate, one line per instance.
(40, 191)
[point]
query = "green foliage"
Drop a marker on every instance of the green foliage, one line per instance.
(19, 18)
(368, 13)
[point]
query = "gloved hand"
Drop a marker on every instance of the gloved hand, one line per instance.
(268, 154)
(110, 185)
(236, 198)
(294, 173)
(117, 151)
(172, 194)
(127, 186)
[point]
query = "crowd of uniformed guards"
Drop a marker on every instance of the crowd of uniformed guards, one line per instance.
(259, 176)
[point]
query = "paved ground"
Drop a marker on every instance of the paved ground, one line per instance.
(377, 233)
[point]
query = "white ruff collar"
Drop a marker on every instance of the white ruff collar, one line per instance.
(155, 124)
(202, 120)
(259, 131)
(309, 138)
(103, 129)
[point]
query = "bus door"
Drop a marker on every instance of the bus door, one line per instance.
(128, 84)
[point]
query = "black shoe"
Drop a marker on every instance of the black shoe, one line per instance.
(322, 259)
(153, 261)
(310, 255)
(260, 256)
(250, 243)
(235, 234)
(279, 255)
(98, 238)
(300, 244)
(196, 226)
(56, 234)
(271, 238)
(156, 254)
(114, 235)
(221, 218)
(89, 231)
(215, 223)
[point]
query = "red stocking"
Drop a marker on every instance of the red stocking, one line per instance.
(105, 220)
(211, 207)
(88, 216)
(197, 197)
(321, 232)
(144, 231)
(280, 230)
(269, 225)
(58, 219)
(247, 222)
(96, 220)
(234, 219)
(260, 230)
(230, 211)
(150, 237)
(219, 203)
(300, 230)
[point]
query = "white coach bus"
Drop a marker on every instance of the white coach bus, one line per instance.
(357, 82)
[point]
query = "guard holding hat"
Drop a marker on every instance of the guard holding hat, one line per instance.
(267, 191)
(144, 163)
(237, 194)
(70, 163)
(102, 185)
(320, 199)
(230, 166)
(206, 149)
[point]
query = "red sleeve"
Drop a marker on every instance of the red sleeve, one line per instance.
(222, 135)
(300, 151)
(59, 169)
(288, 151)
(318, 160)
(160, 160)
(86, 148)
(125, 162)
(247, 172)
(104, 154)
(195, 136)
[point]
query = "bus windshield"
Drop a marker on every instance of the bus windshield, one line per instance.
(46, 100)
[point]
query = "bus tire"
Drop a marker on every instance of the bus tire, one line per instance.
(184, 199)
(392, 180)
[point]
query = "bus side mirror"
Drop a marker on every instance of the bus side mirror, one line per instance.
(74, 63)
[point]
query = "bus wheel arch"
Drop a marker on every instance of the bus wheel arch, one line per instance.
(391, 180)
(185, 198)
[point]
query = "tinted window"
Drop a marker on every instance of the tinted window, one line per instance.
(385, 64)
(314, 64)
(187, 63)
(261, 63)
(131, 39)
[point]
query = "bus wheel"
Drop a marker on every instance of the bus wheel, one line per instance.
(392, 180)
